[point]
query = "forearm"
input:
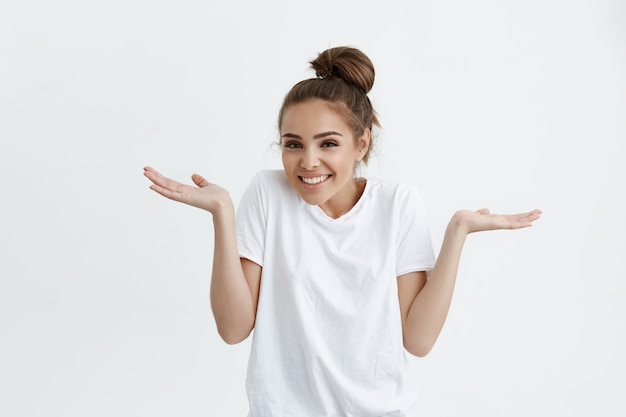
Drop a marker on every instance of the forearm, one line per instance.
(231, 297)
(232, 300)
(429, 310)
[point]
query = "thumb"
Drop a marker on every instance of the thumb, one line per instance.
(199, 180)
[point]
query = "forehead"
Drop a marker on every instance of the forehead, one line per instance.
(312, 116)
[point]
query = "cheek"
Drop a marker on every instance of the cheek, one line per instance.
(287, 159)
(344, 162)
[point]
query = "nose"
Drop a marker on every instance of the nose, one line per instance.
(310, 159)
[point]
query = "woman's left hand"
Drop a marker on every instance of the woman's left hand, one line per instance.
(483, 219)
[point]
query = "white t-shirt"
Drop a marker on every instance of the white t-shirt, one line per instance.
(328, 334)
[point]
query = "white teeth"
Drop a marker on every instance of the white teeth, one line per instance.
(314, 180)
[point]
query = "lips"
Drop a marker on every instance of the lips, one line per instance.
(314, 180)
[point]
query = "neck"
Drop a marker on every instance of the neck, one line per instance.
(341, 204)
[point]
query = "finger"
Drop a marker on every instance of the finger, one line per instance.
(527, 219)
(162, 181)
(199, 180)
(535, 214)
(531, 216)
(151, 173)
(176, 196)
(483, 211)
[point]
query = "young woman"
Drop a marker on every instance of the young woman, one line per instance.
(336, 274)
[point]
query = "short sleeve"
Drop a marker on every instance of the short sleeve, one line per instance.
(414, 246)
(251, 221)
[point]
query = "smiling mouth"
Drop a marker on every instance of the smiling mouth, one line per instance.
(314, 180)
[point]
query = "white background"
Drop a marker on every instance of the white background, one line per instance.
(104, 285)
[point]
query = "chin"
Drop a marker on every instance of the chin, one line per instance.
(311, 200)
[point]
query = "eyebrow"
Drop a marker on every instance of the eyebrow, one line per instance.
(318, 136)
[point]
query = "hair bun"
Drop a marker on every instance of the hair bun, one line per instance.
(347, 63)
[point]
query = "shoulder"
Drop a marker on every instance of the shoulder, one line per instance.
(266, 189)
(398, 199)
(269, 179)
(395, 190)
(271, 186)
(271, 174)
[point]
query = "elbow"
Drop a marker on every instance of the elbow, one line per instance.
(233, 341)
(233, 336)
(418, 349)
(233, 329)
(420, 353)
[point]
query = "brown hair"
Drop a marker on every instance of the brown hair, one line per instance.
(344, 77)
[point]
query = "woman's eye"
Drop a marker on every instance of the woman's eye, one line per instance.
(329, 144)
(292, 145)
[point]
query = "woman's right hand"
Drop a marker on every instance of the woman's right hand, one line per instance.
(206, 195)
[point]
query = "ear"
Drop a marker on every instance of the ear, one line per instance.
(363, 144)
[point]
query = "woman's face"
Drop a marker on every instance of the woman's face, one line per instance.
(319, 154)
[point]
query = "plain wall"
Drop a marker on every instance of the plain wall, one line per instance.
(104, 307)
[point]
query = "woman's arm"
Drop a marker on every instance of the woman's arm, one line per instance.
(235, 282)
(424, 303)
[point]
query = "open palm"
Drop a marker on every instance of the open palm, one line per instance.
(204, 195)
(483, 219)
